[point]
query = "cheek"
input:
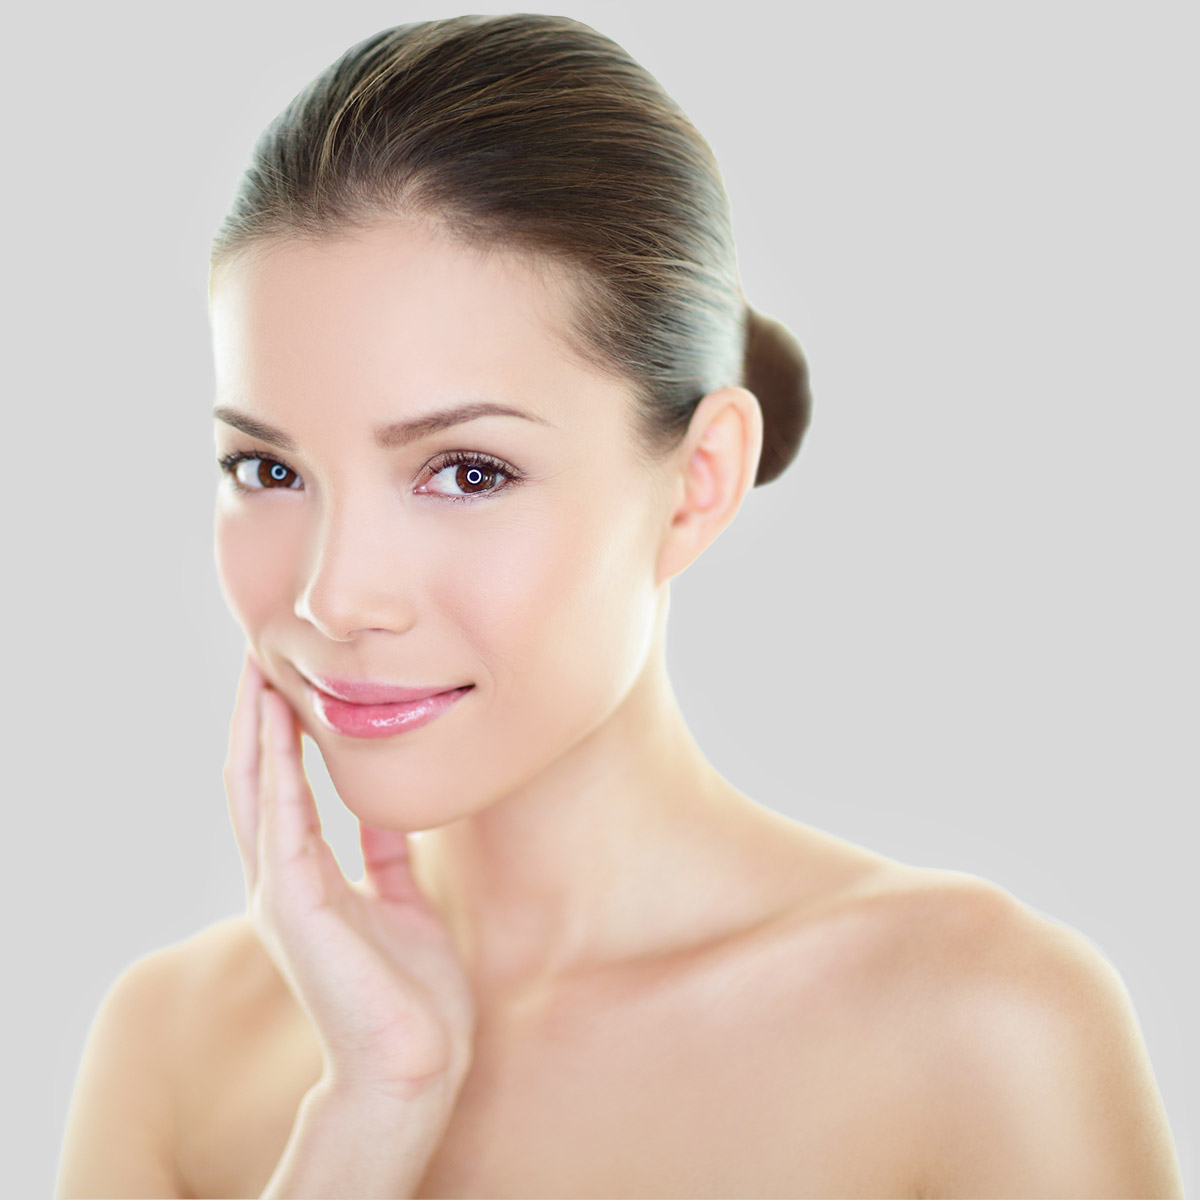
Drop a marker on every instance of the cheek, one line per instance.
(553, 604)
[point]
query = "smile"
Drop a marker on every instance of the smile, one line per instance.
(380, 720)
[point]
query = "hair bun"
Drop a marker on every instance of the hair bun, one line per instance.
(775, 370)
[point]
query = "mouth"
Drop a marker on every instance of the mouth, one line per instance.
(358, 712)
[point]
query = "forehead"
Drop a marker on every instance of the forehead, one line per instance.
(397, 315)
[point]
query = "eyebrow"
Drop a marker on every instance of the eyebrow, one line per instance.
(387, 437)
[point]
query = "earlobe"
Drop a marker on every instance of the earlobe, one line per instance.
(717, 464)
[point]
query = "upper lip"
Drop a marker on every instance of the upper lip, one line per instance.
(363, 691)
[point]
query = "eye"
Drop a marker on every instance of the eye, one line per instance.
(473, 474)
(257, 473)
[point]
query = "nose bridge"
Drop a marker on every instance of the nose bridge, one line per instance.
(353, 579)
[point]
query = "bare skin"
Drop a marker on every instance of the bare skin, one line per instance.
(566, 1080)
(674, 991)
(852, 1043)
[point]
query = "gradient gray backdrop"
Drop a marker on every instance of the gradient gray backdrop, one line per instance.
(960, 630)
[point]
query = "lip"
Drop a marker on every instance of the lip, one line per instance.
(360, 720)
(360, 691)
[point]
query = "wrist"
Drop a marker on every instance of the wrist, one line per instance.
(358, 1141)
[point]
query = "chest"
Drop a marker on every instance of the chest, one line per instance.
(723, 1085)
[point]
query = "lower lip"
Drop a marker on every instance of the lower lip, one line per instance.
(381, 720)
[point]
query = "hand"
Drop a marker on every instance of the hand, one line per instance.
(371, 963)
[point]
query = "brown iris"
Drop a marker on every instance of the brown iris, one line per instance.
(473, 476)
(274, 474)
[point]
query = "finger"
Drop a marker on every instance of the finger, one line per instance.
(290, 823)
(242, 767)
(386, 861)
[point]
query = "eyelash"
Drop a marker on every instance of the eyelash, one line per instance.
(229, 464)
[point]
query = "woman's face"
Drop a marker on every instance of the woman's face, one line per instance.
(526, 571)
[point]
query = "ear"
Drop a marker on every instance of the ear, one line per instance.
(711, 471)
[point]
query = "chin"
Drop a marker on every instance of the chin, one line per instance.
(385, 786)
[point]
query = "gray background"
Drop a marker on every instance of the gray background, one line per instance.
(956, 631)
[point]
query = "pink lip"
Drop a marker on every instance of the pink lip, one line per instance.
(380, 720)
(354, 691)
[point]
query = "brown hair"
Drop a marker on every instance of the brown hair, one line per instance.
(538, 133)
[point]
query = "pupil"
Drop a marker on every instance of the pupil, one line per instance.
(278, 472)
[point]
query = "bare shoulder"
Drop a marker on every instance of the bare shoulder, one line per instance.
(233, 1007)
(223, 991)
(1017, 1037)
(246, 1054)
(224, 970)
(117, 1140)
(217, 983)
(123, 1119)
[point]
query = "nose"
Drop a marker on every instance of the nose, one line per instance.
(354, 581)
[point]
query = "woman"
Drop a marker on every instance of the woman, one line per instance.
(477, 322)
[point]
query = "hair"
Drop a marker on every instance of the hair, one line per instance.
(537, 133)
